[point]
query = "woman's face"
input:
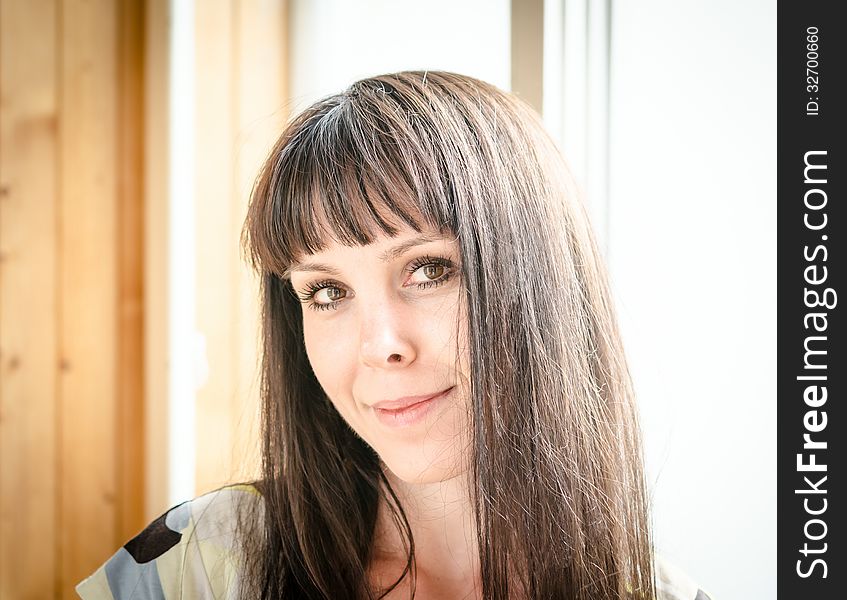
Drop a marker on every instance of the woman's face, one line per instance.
(384, 327)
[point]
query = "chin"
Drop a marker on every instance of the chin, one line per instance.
(421, 471)
(416, 476)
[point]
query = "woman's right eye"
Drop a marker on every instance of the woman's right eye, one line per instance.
(322, 295)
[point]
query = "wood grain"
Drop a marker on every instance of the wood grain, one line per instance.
(88, 288)
(156, 56)
(28, 299)
(130, 255)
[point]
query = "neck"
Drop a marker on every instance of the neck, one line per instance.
(442, 522)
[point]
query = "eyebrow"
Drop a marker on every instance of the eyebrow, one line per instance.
(387, 256)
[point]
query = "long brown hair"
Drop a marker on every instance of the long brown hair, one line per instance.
(556, 477)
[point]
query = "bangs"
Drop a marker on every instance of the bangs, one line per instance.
(351, 168)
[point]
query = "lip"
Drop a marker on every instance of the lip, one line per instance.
(408, 410)
(407, 401)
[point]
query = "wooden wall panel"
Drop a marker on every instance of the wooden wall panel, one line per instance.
(71, 311)
(241, 95)
(156, 247)
(84, 268)
(28, 299)
(89, 168)
(130, 256)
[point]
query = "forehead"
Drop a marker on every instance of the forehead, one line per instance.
(384, 247)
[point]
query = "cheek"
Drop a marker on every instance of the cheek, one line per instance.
(329, 356)
(461, 344)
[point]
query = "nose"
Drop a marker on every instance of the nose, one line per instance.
(386, 338)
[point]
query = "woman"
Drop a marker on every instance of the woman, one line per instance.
(447, 409)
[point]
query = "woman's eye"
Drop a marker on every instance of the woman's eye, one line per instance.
(329, 294)
(322, 295)
(431, 271)
(428, 273)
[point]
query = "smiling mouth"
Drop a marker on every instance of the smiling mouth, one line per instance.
(407, 401)
(409, 412)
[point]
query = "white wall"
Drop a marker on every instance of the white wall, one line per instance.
(692, 249)
(336, 42)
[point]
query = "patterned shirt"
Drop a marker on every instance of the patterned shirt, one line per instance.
(191, 552)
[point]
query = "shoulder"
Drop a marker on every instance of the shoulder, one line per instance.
(191, 551)
(672, 583)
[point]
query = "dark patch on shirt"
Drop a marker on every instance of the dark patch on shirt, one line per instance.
(154, 541)
(701, 595)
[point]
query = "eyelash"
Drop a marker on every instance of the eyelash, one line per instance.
(307, 295)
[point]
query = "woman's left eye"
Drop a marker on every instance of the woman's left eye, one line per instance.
(430, 271)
